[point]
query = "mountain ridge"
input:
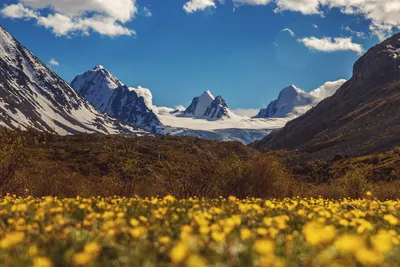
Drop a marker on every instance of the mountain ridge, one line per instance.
(362, 117)
(206, 106)
(33, 95)
(108, 94)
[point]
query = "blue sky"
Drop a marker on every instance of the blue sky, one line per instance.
(238, 51)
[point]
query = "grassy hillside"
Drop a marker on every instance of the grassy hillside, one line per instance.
(41, 164)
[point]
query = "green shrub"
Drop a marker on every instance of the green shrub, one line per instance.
(12, 144)
(269, 178)
(355, 183)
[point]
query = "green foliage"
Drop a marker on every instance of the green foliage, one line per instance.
(91, 165)
(11, 155)
(122, 161)
(355, 183)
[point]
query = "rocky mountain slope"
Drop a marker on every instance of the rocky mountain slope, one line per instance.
(32, 95)
(209, 107)
(362, 117)
(291, 102)
(111, 96)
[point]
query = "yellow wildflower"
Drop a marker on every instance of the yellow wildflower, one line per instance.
(164, 240)
(178, 253)
(264, 246)
(316, 233)
(391, 219)
(349, 243)
(11, 240)
(245, 234)
(42, 262)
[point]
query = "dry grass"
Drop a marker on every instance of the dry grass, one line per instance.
(90, 165)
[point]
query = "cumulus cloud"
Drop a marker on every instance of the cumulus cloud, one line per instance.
(180, 107)
(382, 14)
(315, 26)
(353, 32)
(66, 17)
(306, 7)
(289, 31)
(251, 2)
(148, 100)
(54, 62)
(326, 44)
(198, 5)
(18, 11)
(145, 93)
(246, 112)
(147, 12)
(327, 89)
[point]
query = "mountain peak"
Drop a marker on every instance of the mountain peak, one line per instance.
(32, 95)
(362, 117)
(208, 93)
(291, 90)
(292, 101)
(98, 67)
(207, 106)
(111, 96)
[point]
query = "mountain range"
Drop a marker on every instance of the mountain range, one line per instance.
(33, 96)
(206, 117)
(362, 117)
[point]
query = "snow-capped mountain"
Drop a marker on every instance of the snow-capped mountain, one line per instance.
(361, 118)
(206, 117)
(291, 102)
(111, 96)
(209, 107)
(32, 95)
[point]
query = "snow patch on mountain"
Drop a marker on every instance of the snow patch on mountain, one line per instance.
(110, 95)
(208, 107)
(293, 102)
(32, 95)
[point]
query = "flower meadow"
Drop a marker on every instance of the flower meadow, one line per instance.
(119, 231)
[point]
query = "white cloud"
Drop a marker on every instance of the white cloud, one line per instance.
(382, 31)
(180, 107)
(306, 7)
(66, 17)
(251, 2)
(147, 12)
(198, 5)
(148, 100)
(145, 93)
(289, 31)
(315, 26)
(326, 44)
(353, 32)
(327, 89)
(18, 11)
(246, 112)
(54, 62)
(382, 14)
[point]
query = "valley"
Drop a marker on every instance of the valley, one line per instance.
(94, 173)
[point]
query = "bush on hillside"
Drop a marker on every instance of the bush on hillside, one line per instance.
(11, 156)
(355, 183)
